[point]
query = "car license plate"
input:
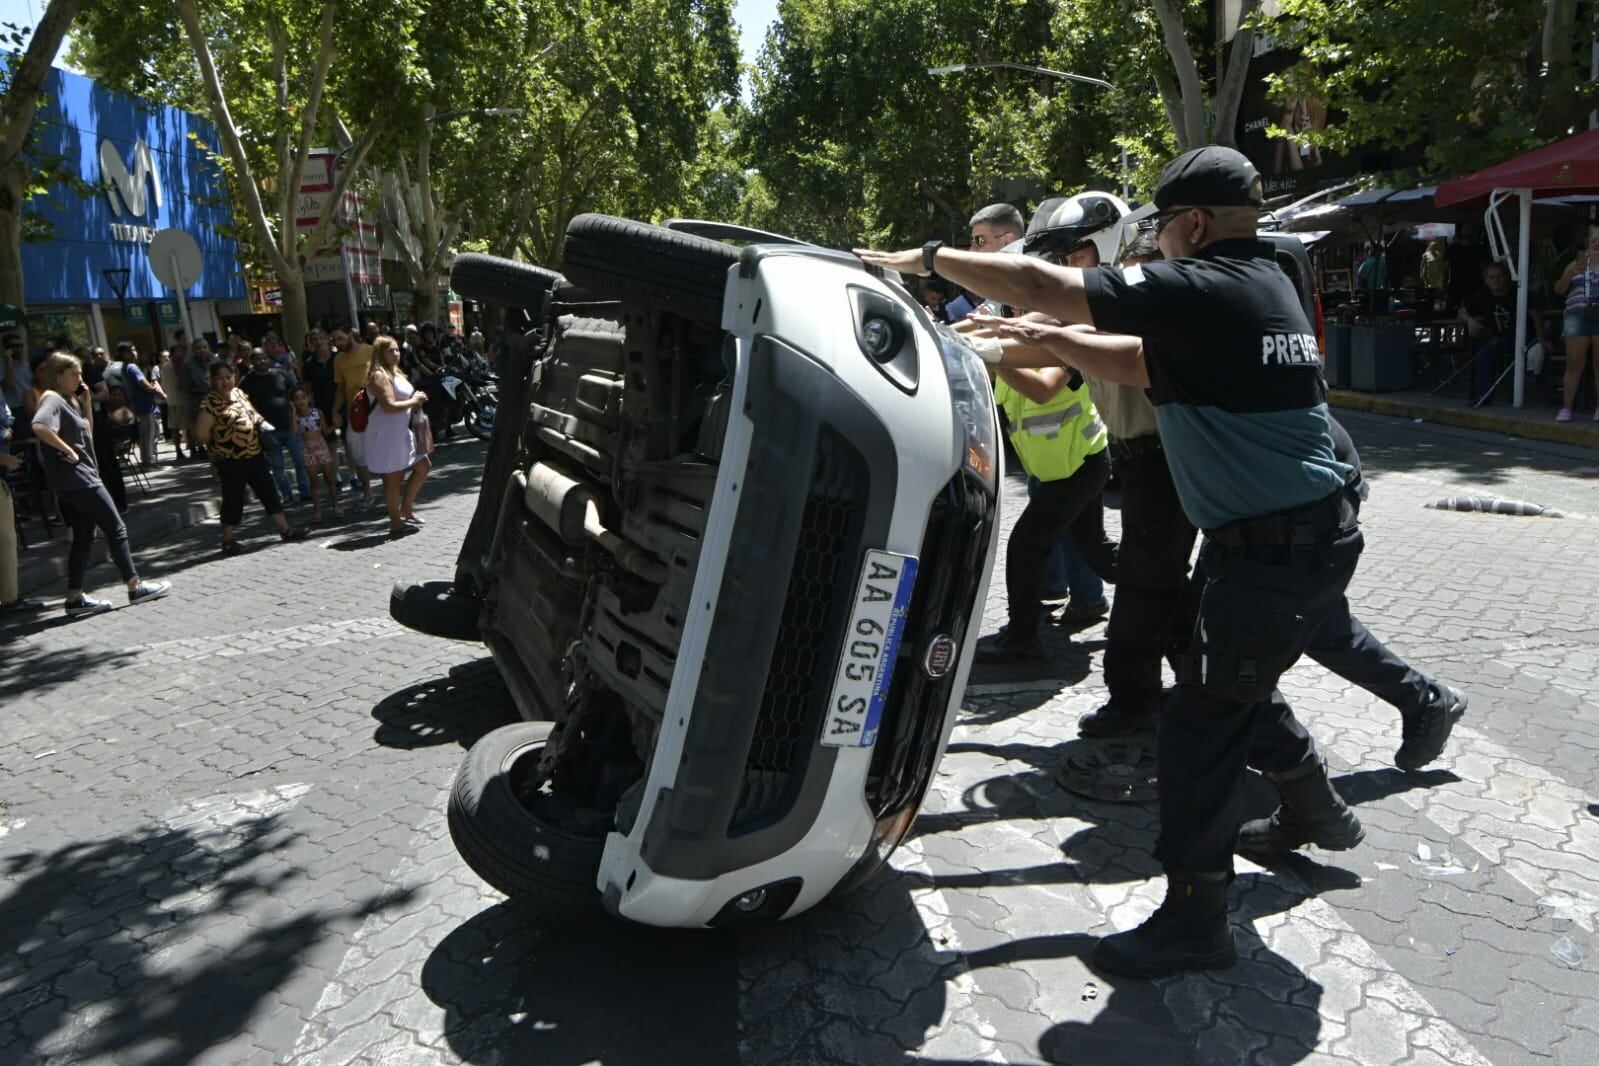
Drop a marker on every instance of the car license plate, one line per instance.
(871, 644)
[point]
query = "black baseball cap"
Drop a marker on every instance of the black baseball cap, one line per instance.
(1212, 176)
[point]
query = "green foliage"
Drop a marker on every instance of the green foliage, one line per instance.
(1473, 83)
(854, 141)
(623, 116)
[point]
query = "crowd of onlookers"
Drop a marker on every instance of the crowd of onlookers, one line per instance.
(77, 423)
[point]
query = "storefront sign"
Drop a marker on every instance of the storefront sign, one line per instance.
(138, 314)
(167, 313)
(150, 170)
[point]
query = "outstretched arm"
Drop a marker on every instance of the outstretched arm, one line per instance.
(1107, 356)
(1019, 281)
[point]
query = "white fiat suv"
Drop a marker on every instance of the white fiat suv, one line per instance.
(730, 553)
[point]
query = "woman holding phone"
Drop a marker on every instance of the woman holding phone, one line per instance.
(64, 428)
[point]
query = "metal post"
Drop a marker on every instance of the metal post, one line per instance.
(183, 301)
(1524, 257)
(349, 286)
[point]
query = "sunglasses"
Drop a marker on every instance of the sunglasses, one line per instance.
(1164, 218)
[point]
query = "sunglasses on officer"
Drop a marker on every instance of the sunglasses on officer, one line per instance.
(1164, 218)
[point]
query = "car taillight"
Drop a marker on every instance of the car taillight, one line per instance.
(1321, 322)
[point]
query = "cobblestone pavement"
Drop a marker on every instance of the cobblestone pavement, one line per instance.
(222, 836)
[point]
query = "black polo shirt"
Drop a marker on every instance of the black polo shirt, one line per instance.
(1235, 376)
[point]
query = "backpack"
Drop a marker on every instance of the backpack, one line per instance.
(113, 376)
(360, 410)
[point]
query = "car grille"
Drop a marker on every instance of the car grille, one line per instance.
(954, 547)
(825, 560)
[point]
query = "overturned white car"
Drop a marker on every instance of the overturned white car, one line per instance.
(730, 552)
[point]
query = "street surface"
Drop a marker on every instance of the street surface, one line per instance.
(222, 835)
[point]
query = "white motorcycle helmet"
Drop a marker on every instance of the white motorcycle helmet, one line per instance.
(1063, 224)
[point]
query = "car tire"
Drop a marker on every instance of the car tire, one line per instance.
(502, 282)
(633, 260)
(436, 608)
(504, 841)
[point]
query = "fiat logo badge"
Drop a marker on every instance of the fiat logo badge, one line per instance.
(940, 656)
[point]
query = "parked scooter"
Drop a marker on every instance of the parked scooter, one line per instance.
(472, 396)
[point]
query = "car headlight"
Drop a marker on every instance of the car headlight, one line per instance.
(973, 400)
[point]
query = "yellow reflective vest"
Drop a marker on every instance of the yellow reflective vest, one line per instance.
(1052, 439)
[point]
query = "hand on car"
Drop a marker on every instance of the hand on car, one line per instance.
(906, 262)
(1025, 330)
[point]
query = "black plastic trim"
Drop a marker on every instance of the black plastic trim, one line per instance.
(727, 231)
(790, 398)
(960, 527)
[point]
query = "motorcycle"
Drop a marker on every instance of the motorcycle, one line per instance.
(472, 398)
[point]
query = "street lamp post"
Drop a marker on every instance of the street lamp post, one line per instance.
(1062, 75)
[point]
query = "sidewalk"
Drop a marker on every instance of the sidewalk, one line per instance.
(179, 497)
(1536, 421)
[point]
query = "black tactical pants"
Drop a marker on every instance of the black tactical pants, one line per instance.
(1152, 581)
(1073, 505)
(1348, 649)
(1260, 609)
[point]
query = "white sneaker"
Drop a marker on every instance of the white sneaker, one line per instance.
(149, 590)
(87, 606)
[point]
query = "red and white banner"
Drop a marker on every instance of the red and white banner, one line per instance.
(357, 251)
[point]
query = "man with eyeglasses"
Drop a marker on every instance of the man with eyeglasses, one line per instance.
(1218, 333)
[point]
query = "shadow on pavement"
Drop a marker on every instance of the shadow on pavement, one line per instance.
(98, 942)
(458, 708)
(1489, 460)
(1037, 682)
(1369, 786)
(520, 985)
(28, 670)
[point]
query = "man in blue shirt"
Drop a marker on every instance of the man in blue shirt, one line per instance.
(143, 397)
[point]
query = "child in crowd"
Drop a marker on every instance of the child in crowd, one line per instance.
(318, 456)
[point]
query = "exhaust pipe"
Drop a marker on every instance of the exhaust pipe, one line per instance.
(573, 512)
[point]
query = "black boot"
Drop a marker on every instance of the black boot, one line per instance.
(1312, 812)
(1427, 730)
(1190, 931)
(1009, 645)
(1112, 720)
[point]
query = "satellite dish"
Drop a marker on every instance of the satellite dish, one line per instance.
(175, 258)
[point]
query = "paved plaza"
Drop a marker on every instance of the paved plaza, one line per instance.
(222, 835)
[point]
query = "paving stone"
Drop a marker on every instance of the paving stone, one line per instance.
(1010, 870)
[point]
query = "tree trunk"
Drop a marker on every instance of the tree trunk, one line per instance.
(296, 312)
(1192, 131)
(427, 300)
(1231, 92)
(17, 106)
(11, 186)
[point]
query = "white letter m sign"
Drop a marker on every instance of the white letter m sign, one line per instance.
(127, 191)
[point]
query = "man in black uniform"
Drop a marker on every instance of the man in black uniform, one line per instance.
(1235, 375)
(1157, 540)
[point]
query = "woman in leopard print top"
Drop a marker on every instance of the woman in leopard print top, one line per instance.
(230, 427)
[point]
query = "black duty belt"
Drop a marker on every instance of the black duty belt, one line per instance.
(1300, 528)
(1127, 450)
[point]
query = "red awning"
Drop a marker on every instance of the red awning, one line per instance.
(1568, 166)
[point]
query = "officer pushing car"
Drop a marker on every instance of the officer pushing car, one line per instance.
(1218, 333)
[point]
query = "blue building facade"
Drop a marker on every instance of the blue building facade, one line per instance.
(149, 166)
